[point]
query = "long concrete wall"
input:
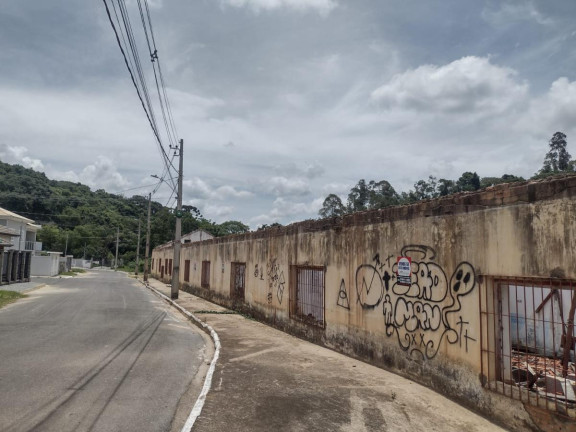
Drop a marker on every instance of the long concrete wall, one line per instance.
(430, 330)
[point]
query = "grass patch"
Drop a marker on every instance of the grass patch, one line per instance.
(72, 272)
(7, 297)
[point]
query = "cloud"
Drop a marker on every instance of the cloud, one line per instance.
(284, 210)
(553, 111)
(199, 189)
(218, 211)
(323, 7)
(309, 170)
(465, 86)
(282, 186)
(17, 155)
(510, 12)
(102, 174)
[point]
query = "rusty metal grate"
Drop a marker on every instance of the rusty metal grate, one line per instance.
(528, 341)
(307, 296)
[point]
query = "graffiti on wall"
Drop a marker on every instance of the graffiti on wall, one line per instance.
(343, 296)
(423, 314)
(276, 281)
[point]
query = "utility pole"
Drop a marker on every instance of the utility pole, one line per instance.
(138, 250)
(66, 247)
(178, 233)
(147, 240)
(117, 238)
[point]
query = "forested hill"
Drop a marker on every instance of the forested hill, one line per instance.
(89, 220)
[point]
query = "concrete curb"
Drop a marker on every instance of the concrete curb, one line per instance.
(197, 409)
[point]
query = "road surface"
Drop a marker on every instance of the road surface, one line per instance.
(97, 352)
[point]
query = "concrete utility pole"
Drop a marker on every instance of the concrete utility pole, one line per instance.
(138, 250)
(178, 233)
(147, 240)
(117, 238)
(66, 247)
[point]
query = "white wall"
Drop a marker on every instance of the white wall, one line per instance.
(44, 265)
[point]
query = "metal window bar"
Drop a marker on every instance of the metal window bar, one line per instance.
(309, 296)
(528, 348)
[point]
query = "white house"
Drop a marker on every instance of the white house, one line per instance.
(196, 236)
(23, 231)
(17, 244)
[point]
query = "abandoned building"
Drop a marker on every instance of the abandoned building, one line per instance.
(471, 294)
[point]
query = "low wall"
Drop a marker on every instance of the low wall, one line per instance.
(430, 329)
(45, 265)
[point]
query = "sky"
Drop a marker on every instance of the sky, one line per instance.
(282, 102)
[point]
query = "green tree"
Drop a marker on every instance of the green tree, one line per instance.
(446, 187)
(557, 159)
(492, 181)
(359, 197)
(332, 207)
(51, 237)
(381, 194)
(233, 227)
(468, 181)
(426, 189)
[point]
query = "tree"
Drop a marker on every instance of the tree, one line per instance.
(557, 159)
(359, 197)
(426, 189)
(233, 227)
(492, 181)
(272, 225)
(332, 207)
(381, 194)
(468, 181)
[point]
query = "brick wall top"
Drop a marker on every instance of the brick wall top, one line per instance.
(527, 192)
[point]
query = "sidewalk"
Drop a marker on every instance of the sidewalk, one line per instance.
(24, 287)
(267, 380)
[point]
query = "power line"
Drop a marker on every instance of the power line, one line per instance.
(144, 100)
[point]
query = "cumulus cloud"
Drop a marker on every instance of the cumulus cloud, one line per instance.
(218, 211)
(199, 189)
(282, 186)
(468, 85)
(284, 209)
(18, 155)
(102, 174)
(323, 7)
(336, 188)
(555, 110)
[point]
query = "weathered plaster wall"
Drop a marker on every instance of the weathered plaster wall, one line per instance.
(430, 330)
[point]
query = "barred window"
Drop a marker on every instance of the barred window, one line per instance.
(307, 295)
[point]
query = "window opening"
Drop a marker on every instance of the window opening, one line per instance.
(238, 280)
(307, 295)
(528, 341)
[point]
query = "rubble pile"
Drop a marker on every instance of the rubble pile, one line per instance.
(543, 375)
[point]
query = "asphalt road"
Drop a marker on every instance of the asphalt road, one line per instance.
(96, 352)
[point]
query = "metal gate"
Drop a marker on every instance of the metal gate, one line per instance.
(238, 280)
